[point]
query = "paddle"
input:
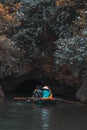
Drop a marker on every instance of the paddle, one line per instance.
(24, 98)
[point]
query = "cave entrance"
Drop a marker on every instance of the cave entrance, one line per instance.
(26, 88)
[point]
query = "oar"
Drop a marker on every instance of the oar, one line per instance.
(20, 98)
(68, 101)
(25, 98)
(60, 99)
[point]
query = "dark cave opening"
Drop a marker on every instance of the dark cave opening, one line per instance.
(26, 88)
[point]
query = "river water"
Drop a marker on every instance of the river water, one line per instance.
(23, 115)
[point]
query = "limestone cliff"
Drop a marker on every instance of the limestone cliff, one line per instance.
(47, 39)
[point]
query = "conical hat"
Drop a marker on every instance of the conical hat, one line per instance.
(45, 87)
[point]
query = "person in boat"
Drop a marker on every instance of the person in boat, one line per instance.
(37, 92)
(46, 92)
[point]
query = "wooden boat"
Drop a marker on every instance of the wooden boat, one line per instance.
(38, 100)
(44, 101)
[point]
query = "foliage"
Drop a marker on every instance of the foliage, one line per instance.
(71, 50)
(7, 17)
(41, 19)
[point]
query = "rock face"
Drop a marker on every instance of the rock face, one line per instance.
(46, 41)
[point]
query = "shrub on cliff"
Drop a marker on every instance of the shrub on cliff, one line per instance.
(71, 50)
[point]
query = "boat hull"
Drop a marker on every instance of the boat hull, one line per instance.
(44, 101)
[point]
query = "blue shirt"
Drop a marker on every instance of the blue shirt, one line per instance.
(45, 93)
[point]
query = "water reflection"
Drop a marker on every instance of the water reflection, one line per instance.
(20, 115)
(45, 117)
(1, 99)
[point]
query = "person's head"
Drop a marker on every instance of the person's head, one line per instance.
(39, 87)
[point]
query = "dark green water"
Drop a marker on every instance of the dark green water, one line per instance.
(23, 115)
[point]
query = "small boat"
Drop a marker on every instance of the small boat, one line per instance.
(44, 100)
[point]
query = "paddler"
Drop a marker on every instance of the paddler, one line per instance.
(46, 92)
(37, 92)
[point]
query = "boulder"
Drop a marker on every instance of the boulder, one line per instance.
(82, 93)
